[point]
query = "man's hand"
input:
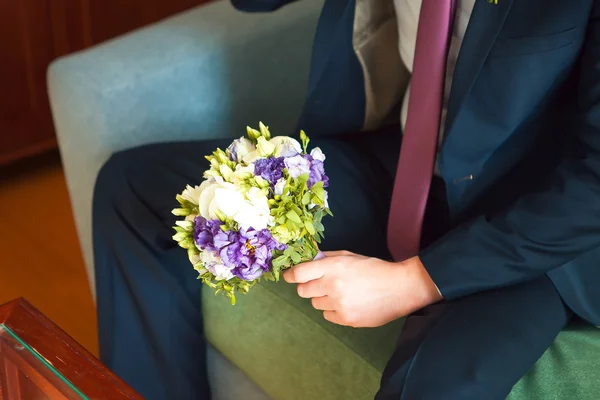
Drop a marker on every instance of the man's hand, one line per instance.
(358, 291)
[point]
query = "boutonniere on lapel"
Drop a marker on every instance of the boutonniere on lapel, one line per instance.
(493, 1)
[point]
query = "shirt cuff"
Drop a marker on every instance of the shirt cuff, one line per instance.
(438, 290)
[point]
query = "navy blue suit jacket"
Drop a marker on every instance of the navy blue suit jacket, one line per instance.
(521, 153)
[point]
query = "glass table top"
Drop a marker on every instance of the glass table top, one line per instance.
(25, 374)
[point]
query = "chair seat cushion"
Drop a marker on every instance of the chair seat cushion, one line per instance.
(291, 352)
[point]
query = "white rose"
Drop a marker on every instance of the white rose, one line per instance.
(317, 154)
(240, 148)
(251, 157)
(279, 186)
(285, 146)
(255, 212)
(215, 266)
(206, 194)
(218, 195)
(249, 211)
(192, 194)
(228, 199)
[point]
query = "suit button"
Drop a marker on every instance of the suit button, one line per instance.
(462, 179)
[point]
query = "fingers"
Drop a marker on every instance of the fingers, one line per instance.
(338, 253)
(343, 253)
(310, 289)
(332, 317)
(305, 272)
(322, 303)
(340, 318)
(312, 270)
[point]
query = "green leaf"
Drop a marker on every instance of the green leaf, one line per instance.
(209, 283)
(280, 261)
(296, 209)
(270, 276)
(317, 185)
(287, 252)
(319, 192)
(306, 198)
(310, 227)
(292, 215)
(301, 180)
(316, 200)
(318, 225)
(319, 215)
(296, 258)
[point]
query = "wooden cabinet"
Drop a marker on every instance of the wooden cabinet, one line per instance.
(32, 34)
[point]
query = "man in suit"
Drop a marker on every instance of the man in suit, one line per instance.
(511, 233)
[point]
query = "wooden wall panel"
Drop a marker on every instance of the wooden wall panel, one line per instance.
(26, 49)
(110, 18)
(32, 34)
(71, 28)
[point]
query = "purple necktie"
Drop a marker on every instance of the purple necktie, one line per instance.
(419, 144)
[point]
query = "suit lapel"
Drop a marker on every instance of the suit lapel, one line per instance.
(484, 26)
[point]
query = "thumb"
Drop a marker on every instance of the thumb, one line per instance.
(308, 271)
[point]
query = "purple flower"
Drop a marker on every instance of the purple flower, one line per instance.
(205, 231)
(270, 169)
(297, 165)
(316, 171)
(233, 154)
(302, 164)
(249, 252)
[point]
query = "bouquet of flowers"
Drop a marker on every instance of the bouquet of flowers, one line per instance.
(257, 212)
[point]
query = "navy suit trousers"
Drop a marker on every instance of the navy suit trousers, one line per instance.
(149, 303)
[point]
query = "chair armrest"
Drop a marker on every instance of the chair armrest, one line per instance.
(205, 73)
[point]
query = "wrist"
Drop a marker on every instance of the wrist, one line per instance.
(424, 288)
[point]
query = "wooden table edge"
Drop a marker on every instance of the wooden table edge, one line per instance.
(66, 355)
